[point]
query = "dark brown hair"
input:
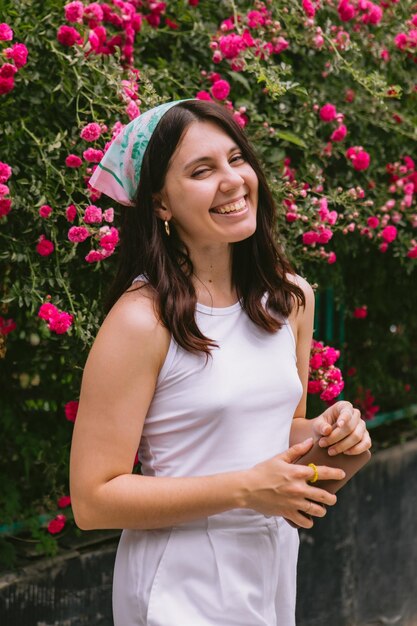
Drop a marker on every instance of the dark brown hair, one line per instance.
(258, 266)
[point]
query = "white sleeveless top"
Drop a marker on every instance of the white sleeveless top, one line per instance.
(226, 415)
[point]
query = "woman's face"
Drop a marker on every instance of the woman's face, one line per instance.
(210, 191)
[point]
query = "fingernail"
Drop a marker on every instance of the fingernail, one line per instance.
(340, 423)
(332, 452)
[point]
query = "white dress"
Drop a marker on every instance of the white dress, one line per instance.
(236, 568)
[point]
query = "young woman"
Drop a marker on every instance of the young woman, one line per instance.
(202, 365)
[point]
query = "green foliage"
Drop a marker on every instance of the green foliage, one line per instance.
(61, 89)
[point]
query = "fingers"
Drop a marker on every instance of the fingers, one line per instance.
(364, 444)
(296, 451)
(324, 473)
(351, 425)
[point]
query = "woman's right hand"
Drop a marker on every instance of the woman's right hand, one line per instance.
(277, 486)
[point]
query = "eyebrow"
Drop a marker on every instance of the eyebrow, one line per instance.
(207, 158)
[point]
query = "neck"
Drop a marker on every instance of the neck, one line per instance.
(212, 277)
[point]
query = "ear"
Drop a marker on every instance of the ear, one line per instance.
(160, 209)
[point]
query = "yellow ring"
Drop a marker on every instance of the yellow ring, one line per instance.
(316, 473)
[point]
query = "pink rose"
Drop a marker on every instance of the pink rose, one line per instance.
(5, 206)
(45, 210)
(310, 237)
(309, 8)
(71, 409)
(6, 33)
(6, 326)
(60, 322)
(412, 253)
(220, 89)
(281, 45)
(71, 212)
(401, 41)
(93, 156)
(68, 36)
(316, 361)
(373, 222)
(19, 53)
(91, 132)
(389, 234)
(346, 11)
(94, 256)
(7, 70)
(203, 95)
(74, 12)
(47, 311)
(331, 258)
(360, 312)
(5, 172)
(57, 524)
(64, 501)
(328, 112)
(93, 215)
(231, 45)
(132, 110)
(44, 247)
(325, 235)
(314, 386)
(6, 85)
(339, 134)
(108, 215)
(110, 240)
(77, 234)
(330, 356)
(73, 160)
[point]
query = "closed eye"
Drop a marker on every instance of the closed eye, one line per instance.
(232, 160)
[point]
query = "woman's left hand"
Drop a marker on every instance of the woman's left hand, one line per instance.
(342, 430)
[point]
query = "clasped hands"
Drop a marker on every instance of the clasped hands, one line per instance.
(278, 486)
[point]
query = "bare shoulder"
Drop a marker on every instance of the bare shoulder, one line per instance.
(132, 328)
(301, 318)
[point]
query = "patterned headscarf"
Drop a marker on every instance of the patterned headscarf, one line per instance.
(118, 173)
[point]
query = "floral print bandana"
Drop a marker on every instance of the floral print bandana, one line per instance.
(118, 173)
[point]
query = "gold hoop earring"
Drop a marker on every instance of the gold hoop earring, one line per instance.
(168, 232)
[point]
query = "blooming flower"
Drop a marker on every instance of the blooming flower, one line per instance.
(64, 501)
(6, 33)
(73, 160)
(18, 53)
(220, 89)
(76, 234)
(47, 311)
(389, 233)
(360, 312)
(68, 36)
(6, 326)
(60, 322)
(373, 222)
(6, 85)
(339, 134)
(91, 132)
(44, 247)
(328, 112)
(110, 239)
(74, 12)
(359, 157)
(71, 409)
(93, 215)
(93, 156)
(71, 212)
(5, 172)
(45, 210)
(310, 237)
(57, 524)
(7, 70)
(5, 206)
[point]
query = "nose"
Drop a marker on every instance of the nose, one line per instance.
(231, 179)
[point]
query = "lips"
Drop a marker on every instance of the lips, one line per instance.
(235, 206)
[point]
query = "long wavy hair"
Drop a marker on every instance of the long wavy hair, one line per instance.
(259, 265)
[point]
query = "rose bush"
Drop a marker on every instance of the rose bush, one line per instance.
(327, 93)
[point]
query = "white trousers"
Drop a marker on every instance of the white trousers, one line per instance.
(233, 569)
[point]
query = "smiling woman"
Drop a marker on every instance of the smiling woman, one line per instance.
(202, 370)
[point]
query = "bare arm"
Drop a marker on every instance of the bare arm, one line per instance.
(117, 388)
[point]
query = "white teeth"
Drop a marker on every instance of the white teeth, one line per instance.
(230, 208)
